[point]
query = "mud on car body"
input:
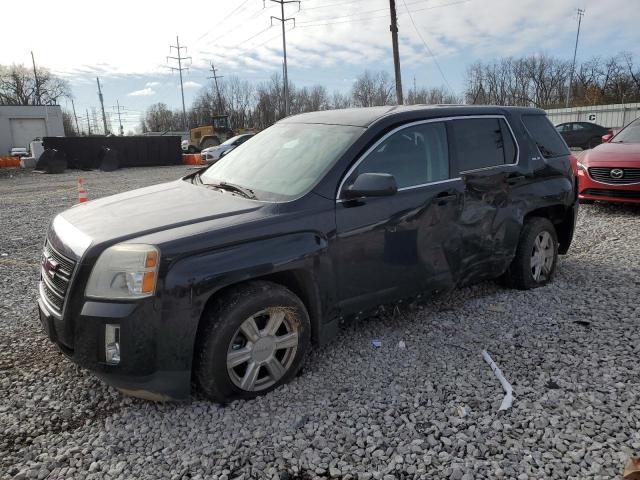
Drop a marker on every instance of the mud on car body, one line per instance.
(225, 277)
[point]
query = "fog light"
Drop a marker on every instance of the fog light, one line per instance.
(112, 344)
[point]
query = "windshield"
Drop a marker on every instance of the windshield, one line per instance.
(630, 134)
(283, 161)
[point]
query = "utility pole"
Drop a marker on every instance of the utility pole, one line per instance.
(215, 78)
(75, 116)
(284, 20)
(104, 116)
(180, 68)
(88, 122)
(396, 52)
(575, 51)
(35, 76)
(118, 108)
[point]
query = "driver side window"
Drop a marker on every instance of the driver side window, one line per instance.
(415, 155)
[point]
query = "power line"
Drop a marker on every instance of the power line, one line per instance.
(215, 78)
(331, 20)
(104, 116)
(119, 111)
(221, 21)
(396, 53)
(180, 68)
(427, 47)
(575, 51)
(74, 115)
(283, 21)
(35, 76)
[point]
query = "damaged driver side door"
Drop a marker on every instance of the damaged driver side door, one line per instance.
(396, 246)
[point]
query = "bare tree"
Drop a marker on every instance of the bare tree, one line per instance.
(18, 86)
(542, 80)
(372, 89)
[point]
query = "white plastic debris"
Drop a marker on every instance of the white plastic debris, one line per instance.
(376, 343)
(402, 345)
(462, 410)
(508, 397)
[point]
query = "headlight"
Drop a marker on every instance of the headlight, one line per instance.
(581, 166)
(125, 271)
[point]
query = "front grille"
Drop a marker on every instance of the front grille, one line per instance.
(598, 192)
(603, 174)
(55, 274)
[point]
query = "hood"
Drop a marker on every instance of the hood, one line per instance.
(607, 154)
(151, 209)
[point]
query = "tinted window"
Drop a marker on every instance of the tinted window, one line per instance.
(549, 142)
(414, 156)
(479, 143)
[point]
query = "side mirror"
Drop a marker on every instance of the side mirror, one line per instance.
(607, 138)
(372, 185)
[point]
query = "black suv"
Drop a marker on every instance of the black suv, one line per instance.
(226, 276)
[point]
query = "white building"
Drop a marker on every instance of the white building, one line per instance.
(20, 125)
(613, 116)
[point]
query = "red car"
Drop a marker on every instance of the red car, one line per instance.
(611, 171)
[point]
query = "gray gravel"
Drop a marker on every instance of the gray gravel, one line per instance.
(570, 350)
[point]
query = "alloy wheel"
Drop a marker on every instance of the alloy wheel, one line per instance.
(263, 349)
(542, 256)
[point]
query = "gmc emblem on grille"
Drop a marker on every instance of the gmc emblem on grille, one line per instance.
(616, 173)
(50, 266)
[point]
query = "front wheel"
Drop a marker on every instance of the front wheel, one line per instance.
(536, 255)
(254, 339)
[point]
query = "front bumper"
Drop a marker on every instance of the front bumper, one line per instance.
(590, 189)
(142, 370)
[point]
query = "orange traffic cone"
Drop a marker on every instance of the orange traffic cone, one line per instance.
(82, 193)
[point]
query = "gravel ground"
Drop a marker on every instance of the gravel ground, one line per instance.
(429, 410)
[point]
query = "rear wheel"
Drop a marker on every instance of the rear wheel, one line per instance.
(254, 340)
(536, 256)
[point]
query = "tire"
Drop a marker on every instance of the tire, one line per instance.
(587, 202)
(209, 142)
(537, 233)
(259, 365)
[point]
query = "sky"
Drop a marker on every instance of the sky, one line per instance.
(126, 43)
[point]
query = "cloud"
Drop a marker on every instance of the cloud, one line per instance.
(152, 84)
(192, 84)
(145, 92)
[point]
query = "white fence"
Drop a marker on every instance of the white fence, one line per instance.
(610, 116)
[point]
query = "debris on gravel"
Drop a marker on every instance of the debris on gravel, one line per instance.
(428, 409)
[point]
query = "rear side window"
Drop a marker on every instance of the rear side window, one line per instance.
(549, 142)
(483, 143)
(415, 155)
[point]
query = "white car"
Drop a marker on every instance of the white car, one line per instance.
(19, 152)
(213, 154)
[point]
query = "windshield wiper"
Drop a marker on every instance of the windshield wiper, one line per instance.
(232, 187)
